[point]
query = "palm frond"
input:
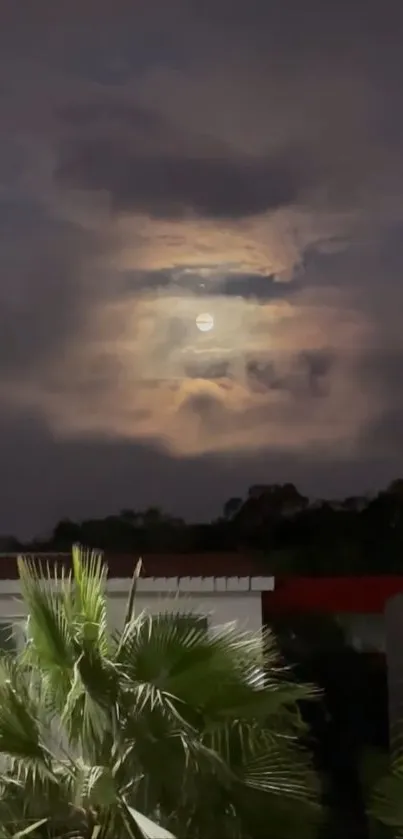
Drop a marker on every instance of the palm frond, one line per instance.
(387, 800)
(90, 574)
(85, 719)
(132, 593)
(19, 730)
(48, 631)
(147, 828)
(31, 828)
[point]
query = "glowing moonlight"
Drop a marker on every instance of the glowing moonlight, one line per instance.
(205, 322)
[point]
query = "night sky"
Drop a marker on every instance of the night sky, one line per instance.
(161, 159)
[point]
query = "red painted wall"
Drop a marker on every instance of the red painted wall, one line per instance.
(331, 595)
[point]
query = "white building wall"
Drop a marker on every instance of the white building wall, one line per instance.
(222, 600)
(245, 609)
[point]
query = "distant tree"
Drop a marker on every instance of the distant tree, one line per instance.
(278, 499)
(152, 516)
(129, 516)
(263, 510)
(357, 535)
(65, 534)
(9, 544)
(354, 503)
(396, 488)
(231, 507)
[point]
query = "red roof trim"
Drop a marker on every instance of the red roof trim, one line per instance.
(331, 595)
(157, 565)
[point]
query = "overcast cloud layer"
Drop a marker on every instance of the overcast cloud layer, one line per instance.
(160, 160)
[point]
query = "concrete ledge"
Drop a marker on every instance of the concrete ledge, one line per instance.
(163, 585)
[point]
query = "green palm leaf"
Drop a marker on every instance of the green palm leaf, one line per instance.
(387, 800)
(107, 735)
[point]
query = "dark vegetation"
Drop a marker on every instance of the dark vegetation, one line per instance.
(348, 728)
(359, 535)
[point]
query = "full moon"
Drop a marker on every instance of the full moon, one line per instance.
(205, 322)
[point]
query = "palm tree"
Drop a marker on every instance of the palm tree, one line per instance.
(386, 806)
(157, 727)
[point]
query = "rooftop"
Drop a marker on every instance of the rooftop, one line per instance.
(155, 565)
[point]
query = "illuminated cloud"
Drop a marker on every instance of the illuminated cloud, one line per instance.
(246, 163)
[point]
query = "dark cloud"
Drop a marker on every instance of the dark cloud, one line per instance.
(202, 369)
(147, 165)
(383, 370)
(103, 114)
(305, 374)
(339, 26)
(43, 301)
(368, 269)
(207, 408)
(171, 187)
(384, 437)
(258, 287)
(261, 287)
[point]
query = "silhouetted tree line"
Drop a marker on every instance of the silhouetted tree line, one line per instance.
(297, 535)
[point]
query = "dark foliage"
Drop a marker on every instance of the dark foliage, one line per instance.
(359, 535)
(349, 724)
